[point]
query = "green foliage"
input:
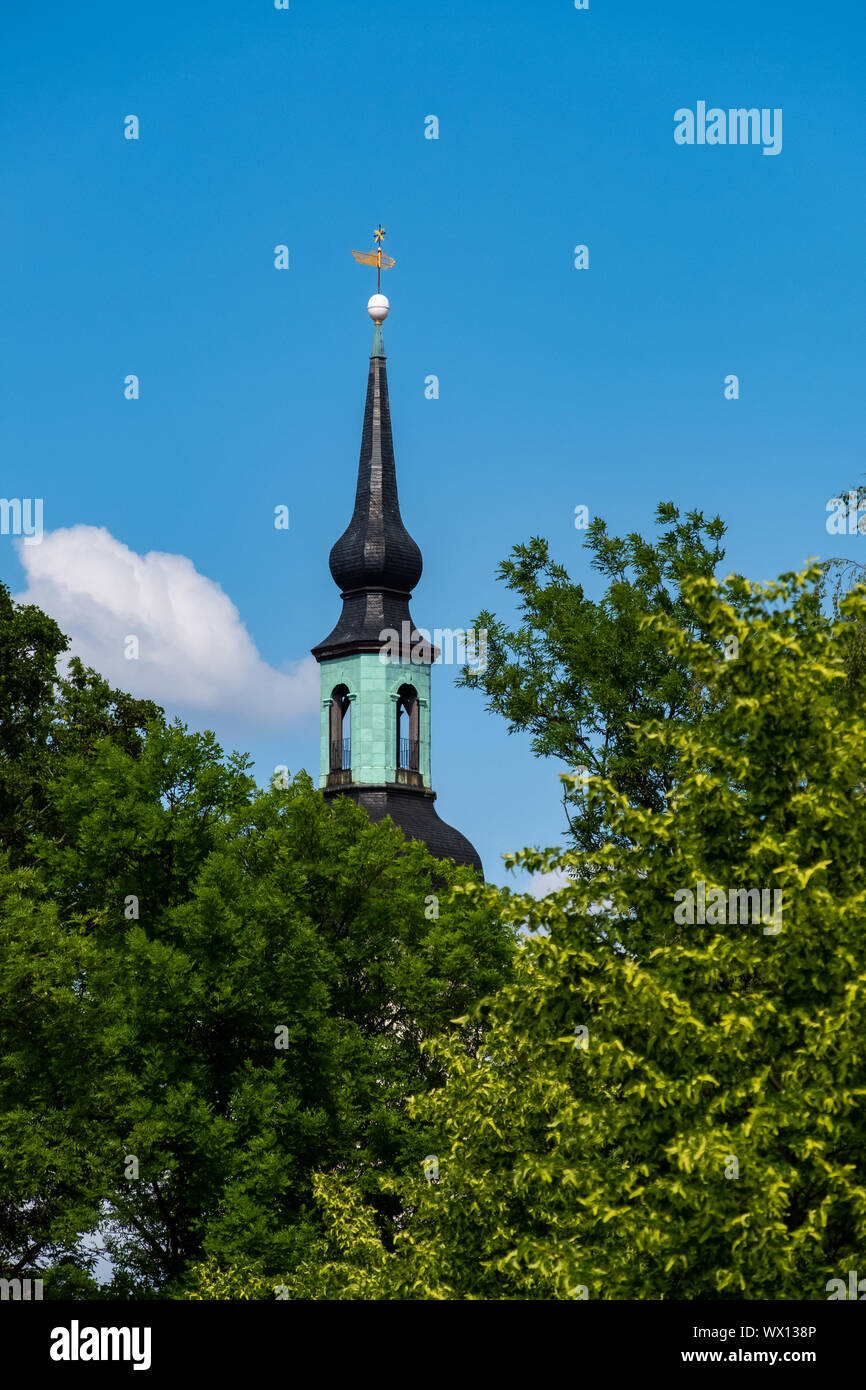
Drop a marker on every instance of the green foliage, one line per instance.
(30, 643)
(165, 925)
(581, 676)
(707, 1140)
(49, 1189)
(207, 992)
(347, 1260)
(45, 718)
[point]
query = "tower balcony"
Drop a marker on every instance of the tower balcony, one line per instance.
(340, 769)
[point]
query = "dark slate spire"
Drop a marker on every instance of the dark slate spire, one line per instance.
(376, 551)
(375, 563)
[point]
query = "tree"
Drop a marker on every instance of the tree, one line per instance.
(208, 991)
(271, 1024)
(44, 717)
(30, 643)
(583, 676)
(50, 1182)
(669, 1099)
(50, 1191)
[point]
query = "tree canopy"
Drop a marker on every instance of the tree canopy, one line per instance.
(668, 1103)
(580, 675)
(269, 1049)
(209, 991)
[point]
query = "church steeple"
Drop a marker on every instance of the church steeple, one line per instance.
(375, 665)
(375, 563)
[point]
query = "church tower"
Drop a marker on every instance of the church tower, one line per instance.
(375, 665)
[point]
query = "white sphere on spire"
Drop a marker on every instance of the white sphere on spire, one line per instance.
(378, 307)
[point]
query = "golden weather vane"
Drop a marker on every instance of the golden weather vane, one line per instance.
(376, 257)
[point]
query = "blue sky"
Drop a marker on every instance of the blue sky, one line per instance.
(557, 387)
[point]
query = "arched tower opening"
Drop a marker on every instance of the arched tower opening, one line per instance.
(340, 762)
(407, 753)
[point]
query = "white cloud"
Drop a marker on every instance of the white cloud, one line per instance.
(539, 885)
(194, 651)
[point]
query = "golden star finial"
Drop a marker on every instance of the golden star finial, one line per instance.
(376, 257)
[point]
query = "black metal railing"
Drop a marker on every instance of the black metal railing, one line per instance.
(341, 755)
(407, 753)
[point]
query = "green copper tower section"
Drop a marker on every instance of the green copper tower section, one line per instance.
(380, 696)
